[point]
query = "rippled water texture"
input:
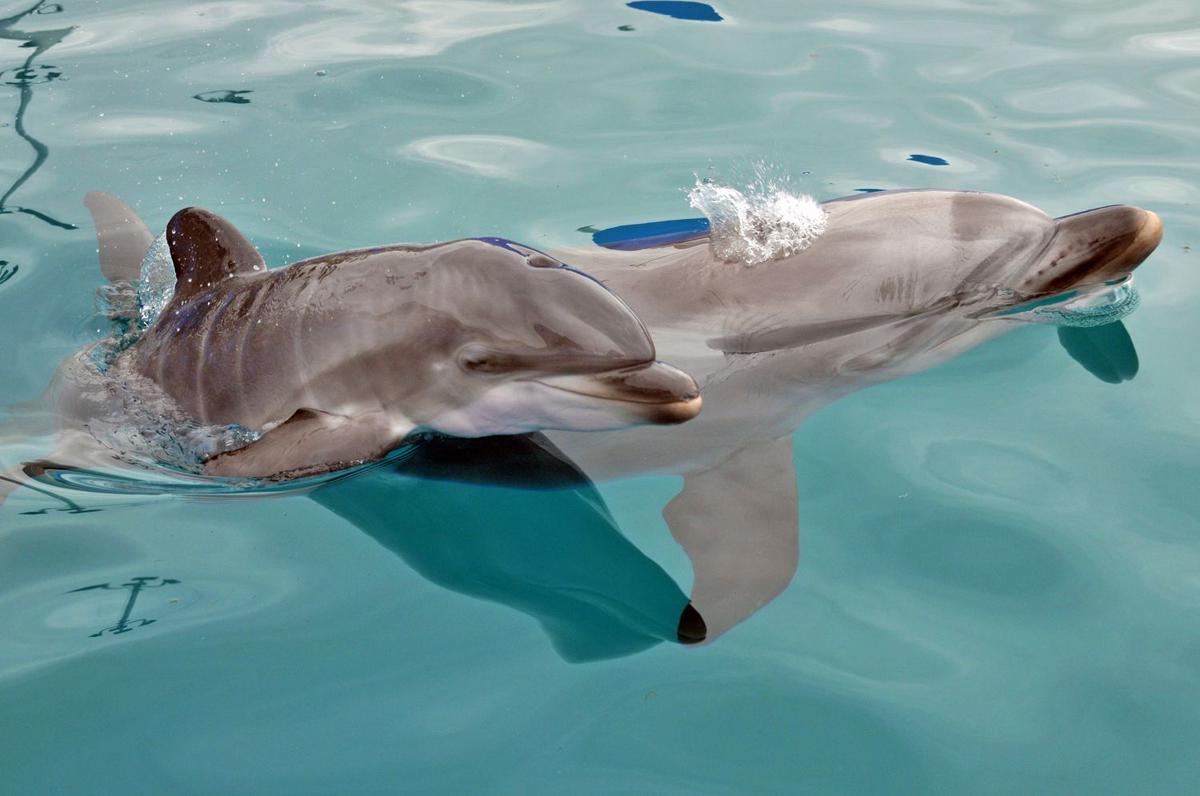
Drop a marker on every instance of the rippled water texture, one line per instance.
(1000, 558)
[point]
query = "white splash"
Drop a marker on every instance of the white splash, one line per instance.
(1088, 305)
(157, 283)
(767, 222)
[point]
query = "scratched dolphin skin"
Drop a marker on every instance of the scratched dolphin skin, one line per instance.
(337, 359)
(898, 282)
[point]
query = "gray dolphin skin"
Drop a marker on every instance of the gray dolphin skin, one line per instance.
(898, 282)
(337, 359)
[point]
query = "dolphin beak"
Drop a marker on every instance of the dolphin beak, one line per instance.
(655, 391)
(1096, 246)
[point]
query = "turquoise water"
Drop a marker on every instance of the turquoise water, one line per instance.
(1000, 558)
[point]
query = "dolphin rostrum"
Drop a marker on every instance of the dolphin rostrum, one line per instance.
(898, 282)
(335, 360)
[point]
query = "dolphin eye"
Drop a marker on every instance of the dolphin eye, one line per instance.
(481, 359)
(539, 260)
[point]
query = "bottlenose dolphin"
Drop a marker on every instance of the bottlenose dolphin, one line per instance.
(898, 282)
(337, 359)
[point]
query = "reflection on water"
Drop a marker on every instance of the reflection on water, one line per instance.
(25, 78)
(69, 506)
(678, 9)
(224, 95)
(135, 586)
(929, 160)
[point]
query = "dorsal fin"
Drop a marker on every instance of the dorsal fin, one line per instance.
(206, 249)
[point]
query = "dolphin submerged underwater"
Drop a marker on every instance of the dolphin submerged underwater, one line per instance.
(895, 283)
(332, 362)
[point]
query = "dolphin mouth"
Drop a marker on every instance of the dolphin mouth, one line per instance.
(657, 391)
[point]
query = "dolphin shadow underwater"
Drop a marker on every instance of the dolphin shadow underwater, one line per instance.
(896, 282)
(511, 520)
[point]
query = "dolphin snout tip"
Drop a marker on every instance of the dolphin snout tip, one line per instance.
(1146, 237)
(676, 412)
(1150, 233)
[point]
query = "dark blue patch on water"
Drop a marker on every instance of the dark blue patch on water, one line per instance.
(929, 160)
(224, 95)
(868, 190)
(633, 237)
(678, 9)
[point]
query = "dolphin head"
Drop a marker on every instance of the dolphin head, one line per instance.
(922, 247)
(540, 345)
(1000, 256)
(900, 279)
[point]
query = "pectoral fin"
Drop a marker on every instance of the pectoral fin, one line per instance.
(309, 443)
(738, 523)
(1107, 351)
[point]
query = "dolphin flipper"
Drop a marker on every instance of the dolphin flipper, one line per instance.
(738, 523)
(1107, 351)
(311, 442)
(121, 236)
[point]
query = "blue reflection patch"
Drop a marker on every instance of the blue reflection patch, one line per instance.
(929, 160)
(632, 237)
(677, 9)
(505, 243)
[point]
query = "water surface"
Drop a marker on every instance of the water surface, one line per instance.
(1000, 560)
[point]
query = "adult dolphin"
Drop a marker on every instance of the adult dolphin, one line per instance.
(335, 360)
(898, 282)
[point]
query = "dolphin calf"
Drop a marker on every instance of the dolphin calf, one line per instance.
(334, 361)
(898, 282)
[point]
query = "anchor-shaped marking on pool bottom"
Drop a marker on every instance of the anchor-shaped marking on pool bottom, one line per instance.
(135, 586)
